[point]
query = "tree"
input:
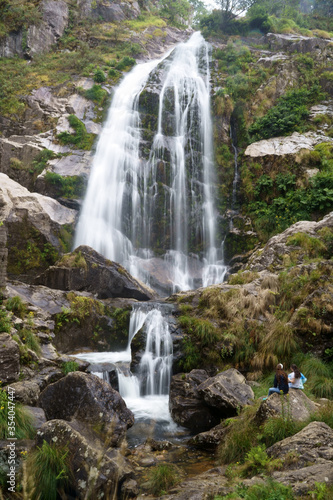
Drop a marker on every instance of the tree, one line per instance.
(234, 8)
(323, 7)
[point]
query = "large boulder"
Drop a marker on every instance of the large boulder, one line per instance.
(282, 146)
(227, 391)
(86, 269)
(35, 226)
(295, 405)
(95, 469)
(312, 462)
(277, 246)
(186, 406)
(89, 400)
(9, 359)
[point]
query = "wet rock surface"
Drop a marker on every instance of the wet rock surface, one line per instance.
(9, 359)
(98, 275)
(90, 400)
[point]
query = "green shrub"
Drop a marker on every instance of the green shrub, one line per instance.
(96, 94)
(288, 115)
(48, 466)
(5, 324)
(125, 62)
(67, 187)
(16, 305)
(99, 76)
(81, 138)
(270, 490)
(113, 73)
(69, 366)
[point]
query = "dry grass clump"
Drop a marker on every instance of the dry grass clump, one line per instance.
(279, 343)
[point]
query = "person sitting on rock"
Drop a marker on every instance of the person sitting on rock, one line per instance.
(280, 381)
(296, 378)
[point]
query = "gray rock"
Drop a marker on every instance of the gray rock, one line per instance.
(38, 416)
(89, 400)
(98, 275)
(295, 43)
(227, 392)
(210, 439)
(282, 146)
(187, 408)
(312, 462)
(277, 246)
(296, 405)
(93, 470)
(9, 359)
(26, 392)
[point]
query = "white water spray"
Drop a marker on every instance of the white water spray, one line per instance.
(141, 208)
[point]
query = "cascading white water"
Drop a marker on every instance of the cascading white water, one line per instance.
(153, 208)
(146, 393)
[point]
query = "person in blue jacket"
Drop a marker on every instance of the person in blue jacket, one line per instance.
(280, 381)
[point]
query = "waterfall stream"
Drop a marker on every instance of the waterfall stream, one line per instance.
(150, 201)
(146, 392)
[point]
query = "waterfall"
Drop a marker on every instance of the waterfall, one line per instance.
(150, 201)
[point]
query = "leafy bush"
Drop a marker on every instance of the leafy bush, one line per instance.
(96, 94)
(288, 115)
(5, 324)
(69, 366)
(67, 187)
(99, 76)
(81, 138)
(125, 62)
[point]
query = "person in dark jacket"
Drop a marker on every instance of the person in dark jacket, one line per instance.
(280, 381)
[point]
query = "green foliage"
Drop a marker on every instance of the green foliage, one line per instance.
(96, 94)
(241, 437)
(113, 73)
(80, 308)
(125, 62)
(16, 305)
(48, 465)
(241, 278)
(80, 138)
(175, 11)
(16, 15)
(67, 187)
(5, 324)
(99, 76)
(69, 366)
(288, 115)
(276, 203)
(257, 461)
(23, 419)
(313, 246)
(30, 340)
(203, 330)
(162, 478)
(192, 356)
(270, 490)
(41, 159)
(278, 428)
